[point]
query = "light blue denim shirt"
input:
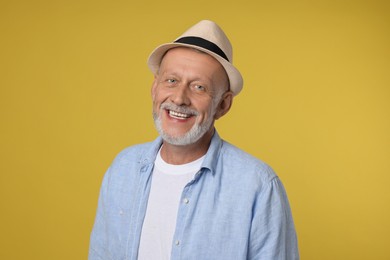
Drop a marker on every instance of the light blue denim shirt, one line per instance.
(234, 208)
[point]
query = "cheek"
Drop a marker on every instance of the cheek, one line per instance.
(160, 94)
(156, 99)
(207, 111)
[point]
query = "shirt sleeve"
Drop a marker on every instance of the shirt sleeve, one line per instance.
(272, 235)
(98, 242)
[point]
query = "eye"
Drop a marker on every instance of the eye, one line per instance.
(199, 88)
(171, 80)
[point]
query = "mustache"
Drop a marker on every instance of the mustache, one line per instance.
(180, 109)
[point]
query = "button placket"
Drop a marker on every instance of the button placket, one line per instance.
(184, 208)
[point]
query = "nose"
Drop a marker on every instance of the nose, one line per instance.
(180, 95)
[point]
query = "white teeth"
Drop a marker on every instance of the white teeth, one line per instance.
(178, 115)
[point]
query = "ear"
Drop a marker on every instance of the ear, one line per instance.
(224, 105)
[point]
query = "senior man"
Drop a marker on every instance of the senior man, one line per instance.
(189, 194)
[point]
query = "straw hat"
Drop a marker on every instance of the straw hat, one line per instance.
(208, 37)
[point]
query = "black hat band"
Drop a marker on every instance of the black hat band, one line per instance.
(200, 42)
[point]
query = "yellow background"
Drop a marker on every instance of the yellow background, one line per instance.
(316, 106)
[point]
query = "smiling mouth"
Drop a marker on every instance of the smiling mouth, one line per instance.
(178, 115)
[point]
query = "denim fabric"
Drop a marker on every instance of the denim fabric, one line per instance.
(235, 208)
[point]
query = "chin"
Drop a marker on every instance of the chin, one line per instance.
(190, 137)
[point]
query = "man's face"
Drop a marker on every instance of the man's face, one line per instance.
(189, 93)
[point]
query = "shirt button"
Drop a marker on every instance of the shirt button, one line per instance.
(177, 242)
(186, 200)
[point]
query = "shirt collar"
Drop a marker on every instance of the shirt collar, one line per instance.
(149, 156)
(212, 155)
(210, 160)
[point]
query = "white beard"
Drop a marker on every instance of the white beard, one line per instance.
(193, 135)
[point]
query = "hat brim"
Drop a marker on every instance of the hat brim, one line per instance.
(235, 78)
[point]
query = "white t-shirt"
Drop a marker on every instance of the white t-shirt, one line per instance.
(159, 225)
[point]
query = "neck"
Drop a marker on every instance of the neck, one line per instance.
(181, 154)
